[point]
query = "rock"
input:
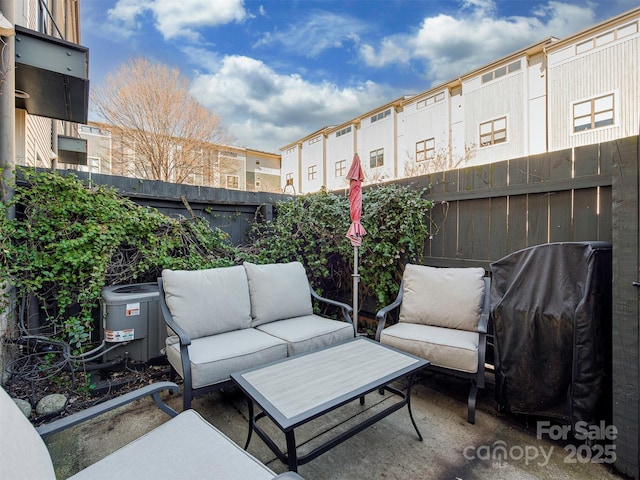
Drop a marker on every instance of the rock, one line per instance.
(24, 406)
(51, 403)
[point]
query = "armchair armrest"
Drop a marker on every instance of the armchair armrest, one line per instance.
(347, 310)
(92, 412)
(381, 316)
(486, 307)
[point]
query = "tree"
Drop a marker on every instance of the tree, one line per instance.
(160, 131)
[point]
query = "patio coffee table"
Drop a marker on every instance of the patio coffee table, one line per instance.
(298, 389)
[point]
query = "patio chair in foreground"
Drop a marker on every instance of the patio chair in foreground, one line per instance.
(186, 446)
(444, 313)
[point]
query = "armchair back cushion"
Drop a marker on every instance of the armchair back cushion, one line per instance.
(278, 291)
(208, 302)
(442, 297)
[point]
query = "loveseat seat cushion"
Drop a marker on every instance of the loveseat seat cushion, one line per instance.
(278, 291)
(208, 302)
(308, 332)
(186, 446)
(443, 347)
(442, 297)
(214, 358)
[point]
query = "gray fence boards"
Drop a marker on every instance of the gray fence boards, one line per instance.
(625, 332)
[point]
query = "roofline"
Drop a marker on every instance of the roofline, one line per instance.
(590, 31)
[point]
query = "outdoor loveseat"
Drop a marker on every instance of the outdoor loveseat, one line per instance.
(444, 315)
(223, 320)
(186, 446)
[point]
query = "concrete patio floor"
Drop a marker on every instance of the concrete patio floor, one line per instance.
(452, 448)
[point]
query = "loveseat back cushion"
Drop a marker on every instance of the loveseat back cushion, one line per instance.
(208, 302)
(23, 454)
(278, 291)
(443, 297)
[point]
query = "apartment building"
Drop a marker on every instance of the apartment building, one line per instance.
(50, 81)
(552, 95)
(221, 166)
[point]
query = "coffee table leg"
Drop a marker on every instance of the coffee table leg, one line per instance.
(251, 421)
(408, 400)
(292, 454)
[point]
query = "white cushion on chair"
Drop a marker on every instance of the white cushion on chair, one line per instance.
(208, 302)
(443, 297)
(443, 347)
(278, 291)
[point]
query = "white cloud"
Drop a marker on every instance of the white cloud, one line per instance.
(177, 18)
(266, 110)
(448, 46)
(316, 33)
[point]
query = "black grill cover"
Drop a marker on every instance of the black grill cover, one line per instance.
(551, 308)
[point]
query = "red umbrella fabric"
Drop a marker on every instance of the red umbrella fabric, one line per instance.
(356, 176)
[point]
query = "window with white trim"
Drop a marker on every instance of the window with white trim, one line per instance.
(341, 168)
(430, 100)
(312, 172)
(493, 132)
(233, 181)
(376, 158)
(594, 113)
(381, 115)
(315, 140)
(289, 179)
(607, 37)
(502, 71)
(344, 131)
(425, 150)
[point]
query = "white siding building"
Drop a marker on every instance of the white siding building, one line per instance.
(552, 95)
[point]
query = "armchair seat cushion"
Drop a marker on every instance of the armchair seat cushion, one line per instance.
(308, 332)
(186, 445)
(213, 358)
(443, 347)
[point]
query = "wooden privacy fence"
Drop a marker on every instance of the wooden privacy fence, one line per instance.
(485, 212)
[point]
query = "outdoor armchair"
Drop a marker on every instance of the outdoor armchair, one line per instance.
(444, 313)
(186, 446)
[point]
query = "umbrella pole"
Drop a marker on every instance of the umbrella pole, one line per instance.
(356, 280)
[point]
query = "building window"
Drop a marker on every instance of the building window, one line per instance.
(344, 131)
(289, 179)
(594, 113)
(381, 115)
(502, 71)
(376, 158)
(607, 37)
(493, 132)
(312, 172)
(341, 168)
(430, 100)
(315, 140)
(425, 150)
(233, 182)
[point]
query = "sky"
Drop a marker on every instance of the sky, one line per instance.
(275, 71)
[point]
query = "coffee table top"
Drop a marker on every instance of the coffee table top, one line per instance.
(297, 389)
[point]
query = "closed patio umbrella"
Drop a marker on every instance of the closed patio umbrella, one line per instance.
(356, 231)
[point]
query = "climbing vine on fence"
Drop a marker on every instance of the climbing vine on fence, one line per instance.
(69, 240)
(311, 229)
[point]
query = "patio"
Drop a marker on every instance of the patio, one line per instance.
(498, 446)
